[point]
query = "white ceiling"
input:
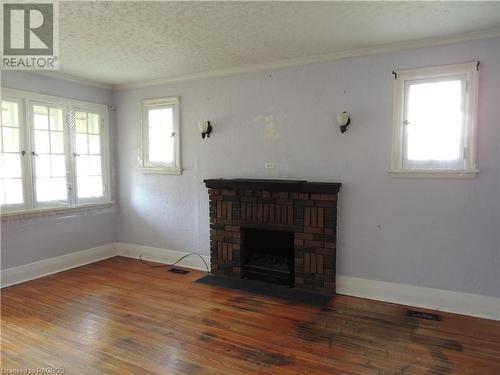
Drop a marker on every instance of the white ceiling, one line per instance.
(123, 43)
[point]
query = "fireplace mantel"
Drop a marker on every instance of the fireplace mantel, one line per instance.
(307, 211)
(291, 186)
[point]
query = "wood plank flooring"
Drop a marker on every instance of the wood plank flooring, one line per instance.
(118, 316)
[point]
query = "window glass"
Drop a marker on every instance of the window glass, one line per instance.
(89, 176)
(161, 138)
(11, 183)
(49, 157)
(434, 126)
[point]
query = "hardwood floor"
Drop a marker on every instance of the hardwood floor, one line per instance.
(118, 316)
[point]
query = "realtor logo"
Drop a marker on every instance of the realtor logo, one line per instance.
(29, 36)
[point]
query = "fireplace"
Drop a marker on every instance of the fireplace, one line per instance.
(268, 255)
(277, 231)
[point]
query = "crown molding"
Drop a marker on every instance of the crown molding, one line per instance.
(72, 78)
(384, 48)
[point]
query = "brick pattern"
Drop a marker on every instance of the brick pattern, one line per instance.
(312, 218)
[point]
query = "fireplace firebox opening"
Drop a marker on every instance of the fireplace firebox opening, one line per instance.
(268, 255)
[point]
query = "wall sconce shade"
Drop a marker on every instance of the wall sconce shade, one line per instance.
(205, 128)
(343, 120)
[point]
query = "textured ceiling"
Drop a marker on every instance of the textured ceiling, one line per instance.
(118, 43)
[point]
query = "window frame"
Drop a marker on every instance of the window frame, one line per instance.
(25, 161)
(26, 101)
(403, 78)
(105, 158)
(31, 144)
(146, 166)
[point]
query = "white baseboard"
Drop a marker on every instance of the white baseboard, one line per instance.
(35, 270)
(155, 254)
(428, 298)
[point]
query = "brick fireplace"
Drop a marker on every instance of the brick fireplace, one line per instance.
(279, 231)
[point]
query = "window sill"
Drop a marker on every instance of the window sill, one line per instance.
(463, 174)
(38, 212)
(151, 170)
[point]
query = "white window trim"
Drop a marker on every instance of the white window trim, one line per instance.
(29, 208)
(105, 157)
(470, 70)
(38, 212)
(159, 168)
(25, 161)
(30, 102)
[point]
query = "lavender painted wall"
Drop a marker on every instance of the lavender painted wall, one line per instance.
(433, 233)
(26, 241)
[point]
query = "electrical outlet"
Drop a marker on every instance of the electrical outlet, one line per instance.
(269, 165)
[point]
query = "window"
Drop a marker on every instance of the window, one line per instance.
(435, 121)
(54, 152)
(11, 147)
(161, 136)
(49, 155)
(88, 156)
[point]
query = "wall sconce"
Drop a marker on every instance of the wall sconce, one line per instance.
(343, 120)
(205, 128)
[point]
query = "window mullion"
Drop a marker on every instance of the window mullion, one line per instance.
(465, 113)
(105, 170)
(27, 165)
(30, 152)
(69, 127)
(404, 125)
(145, 138)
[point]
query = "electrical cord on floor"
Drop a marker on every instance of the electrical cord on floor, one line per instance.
(173, 264)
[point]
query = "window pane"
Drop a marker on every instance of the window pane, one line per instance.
(94, 165)
(161, 141)
(82, 165)
(58, 166)
(40, 110)
(90, 186)
(42, 143)
(81, 144)
(435, 121)
(94, 144)
(57, 142)
(10, 139)
(51, 189)
(93, 123)
(42, 165)
(10, 114)
(11, 191)
(56, 119)
(160, 118)
(161, 146)
(89, 179)
(40, 116)
(88, 163)
(11, 166)
(81, 122)
(50, 161)
(11, 185)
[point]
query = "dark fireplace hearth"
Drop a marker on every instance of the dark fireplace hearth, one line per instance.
(277, 231)
(267, 255)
